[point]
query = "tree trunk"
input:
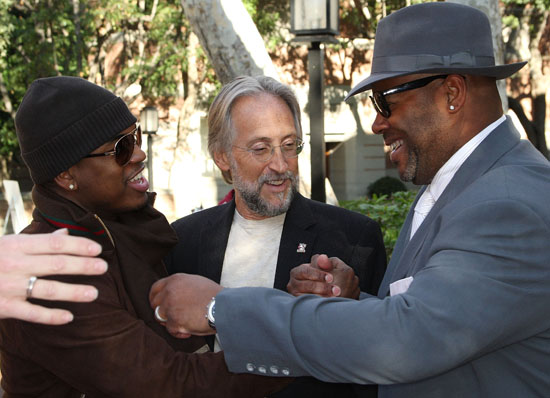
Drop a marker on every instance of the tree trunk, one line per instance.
(524, 120)
(530, 84)
(8, 106)
(539, 82)
(539, 121)
(229, 37)
(192, 81)
(492, 10)
(78, 36)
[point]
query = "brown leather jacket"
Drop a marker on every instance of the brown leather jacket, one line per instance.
(114, 347)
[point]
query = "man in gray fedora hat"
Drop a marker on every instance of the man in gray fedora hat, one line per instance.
(462, 310)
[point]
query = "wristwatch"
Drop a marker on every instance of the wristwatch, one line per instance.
(210, 313)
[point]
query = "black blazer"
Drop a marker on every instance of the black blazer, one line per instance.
(324, 229)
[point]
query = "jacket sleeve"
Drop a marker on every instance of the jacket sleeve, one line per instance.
(483, 289)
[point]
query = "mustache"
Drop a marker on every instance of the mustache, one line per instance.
(269, 177)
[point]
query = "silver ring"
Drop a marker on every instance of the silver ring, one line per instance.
(157, 315)
(32, 281)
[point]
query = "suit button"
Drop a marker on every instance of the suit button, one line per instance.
(250, 367)
(262, 369)
(274, 369)
(285, 371)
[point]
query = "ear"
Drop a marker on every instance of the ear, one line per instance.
(455, 92)
(66, 181)
(222, 161)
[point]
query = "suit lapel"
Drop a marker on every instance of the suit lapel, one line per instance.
(497, 143)
(296, 241)
(400, 245)
(213, 242)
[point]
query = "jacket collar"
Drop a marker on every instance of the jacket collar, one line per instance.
(498, 143)
(295, 247)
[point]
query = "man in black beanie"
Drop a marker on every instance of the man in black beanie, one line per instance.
(82, 146)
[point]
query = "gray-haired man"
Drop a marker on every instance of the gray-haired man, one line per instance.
(269, 228)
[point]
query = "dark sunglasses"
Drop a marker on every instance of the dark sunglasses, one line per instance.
(124, 147)
(379, 98)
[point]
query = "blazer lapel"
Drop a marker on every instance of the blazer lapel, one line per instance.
(213, 242)
(400, 245)
(296, 241)
(497, 143)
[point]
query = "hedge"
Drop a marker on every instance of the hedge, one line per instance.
(390, 213)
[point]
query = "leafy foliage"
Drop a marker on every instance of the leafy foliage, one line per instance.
(115, 44)
(389, 213)
(271, 18)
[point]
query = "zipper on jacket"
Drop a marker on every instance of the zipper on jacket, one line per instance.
(105, 228)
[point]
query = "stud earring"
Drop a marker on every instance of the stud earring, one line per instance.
(452, 107)
(71, 187)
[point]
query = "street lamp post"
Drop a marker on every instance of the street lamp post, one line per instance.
(315, 22)
(149, 121)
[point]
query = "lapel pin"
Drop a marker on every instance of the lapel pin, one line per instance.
(301, 248)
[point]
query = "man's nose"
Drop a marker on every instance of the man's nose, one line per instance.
(138, 155)
(380, 124)
(278, 162)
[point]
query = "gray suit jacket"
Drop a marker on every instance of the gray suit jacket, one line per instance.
(474, 322)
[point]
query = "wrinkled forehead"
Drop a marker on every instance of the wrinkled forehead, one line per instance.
(254, 116)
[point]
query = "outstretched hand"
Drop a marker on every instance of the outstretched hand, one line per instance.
(182, 301)
(25, 257)
(324, 276)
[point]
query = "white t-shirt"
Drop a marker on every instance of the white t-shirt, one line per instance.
(251, 253)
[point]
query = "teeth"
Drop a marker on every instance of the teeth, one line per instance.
(276, 182)
(136, 178)
(396, 144)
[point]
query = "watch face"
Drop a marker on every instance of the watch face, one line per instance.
(210, 313)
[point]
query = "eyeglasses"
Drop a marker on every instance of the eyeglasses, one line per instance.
(124, 147)
(263, 151)
(379, 98)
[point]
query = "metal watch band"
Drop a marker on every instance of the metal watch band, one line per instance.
(210, 313)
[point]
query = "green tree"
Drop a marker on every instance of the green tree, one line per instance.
(129, 47)
(527, 23)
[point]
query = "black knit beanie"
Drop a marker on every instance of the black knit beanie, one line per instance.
(62, 119)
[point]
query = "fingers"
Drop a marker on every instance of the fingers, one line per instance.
(322, 262)
(345, 279)
(305, 279)
(19, 263)
(48, 254)
(25, 257)
(178, 333)
(183, 299)
(34, 313)
(58, 242)
(306, 272)
(60, 264)
(156, 290)
(327, 277)
(57, 291)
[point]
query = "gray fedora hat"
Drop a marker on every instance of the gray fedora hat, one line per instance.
(434, 38)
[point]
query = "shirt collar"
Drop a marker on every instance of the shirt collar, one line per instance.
(446, 173)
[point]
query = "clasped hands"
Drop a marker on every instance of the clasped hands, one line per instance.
(182, 298)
